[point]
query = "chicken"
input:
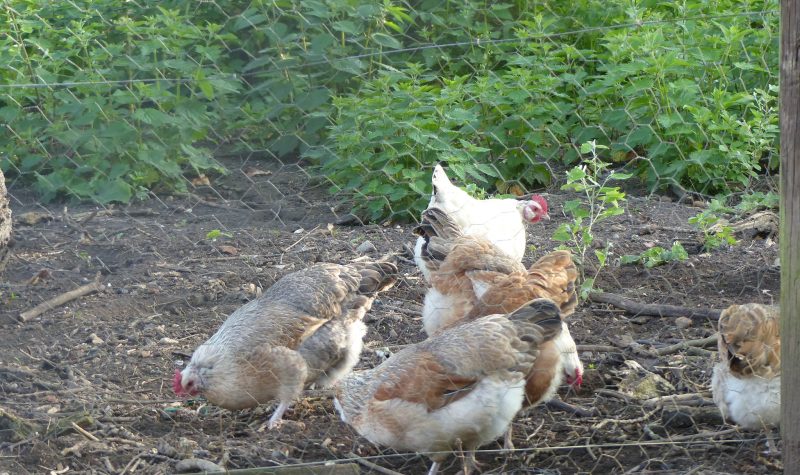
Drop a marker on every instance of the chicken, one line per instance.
(471, 278)
(500, 221)
(461, 387)
(305, 329)
(5, 223)
(746, 381)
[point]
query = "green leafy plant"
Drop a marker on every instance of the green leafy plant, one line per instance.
(672, 101)
(656, 256)
(107, 101)
(757, 200)
(216, 234)
(599, 201)
(714, 235)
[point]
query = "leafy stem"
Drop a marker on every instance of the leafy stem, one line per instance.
(599, 203)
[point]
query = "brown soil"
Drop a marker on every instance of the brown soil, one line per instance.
(105, 360)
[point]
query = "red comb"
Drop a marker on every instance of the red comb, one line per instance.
(176, 383)
(542, 202)
(578, 379)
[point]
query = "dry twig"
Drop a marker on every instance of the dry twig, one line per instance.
(405, 311)
(690, 399)
(636, 420)
(700, 343)
(372, 466)
(57, 301)
(598, 348)
(84, 432)
(654, 310)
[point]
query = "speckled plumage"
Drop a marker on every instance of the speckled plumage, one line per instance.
(306, 328)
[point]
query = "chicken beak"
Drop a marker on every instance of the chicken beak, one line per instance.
(546, 217)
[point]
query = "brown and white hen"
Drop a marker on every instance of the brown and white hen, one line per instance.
(459, 388)
(746, 382)
(471, 278)
(305, 329)
(500, 221)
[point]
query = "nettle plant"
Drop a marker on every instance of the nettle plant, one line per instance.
(599, 202)
(656, 256)
(716, 234)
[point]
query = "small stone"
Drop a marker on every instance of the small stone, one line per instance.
(164, 448)
(599, 243)
(641, 383)
(168, 341)
(683, 322)
(366, 247)
(94, 339)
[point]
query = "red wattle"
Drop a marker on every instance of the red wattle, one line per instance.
(176, 383)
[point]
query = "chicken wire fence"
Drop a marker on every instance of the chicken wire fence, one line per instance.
(253, 138)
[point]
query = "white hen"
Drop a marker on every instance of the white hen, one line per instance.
(501, 221)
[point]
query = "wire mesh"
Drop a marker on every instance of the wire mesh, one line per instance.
(188, 155)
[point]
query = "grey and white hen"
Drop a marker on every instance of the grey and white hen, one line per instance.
(305, 329)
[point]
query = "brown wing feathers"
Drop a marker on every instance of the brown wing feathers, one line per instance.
(750, 340)
(552, 277)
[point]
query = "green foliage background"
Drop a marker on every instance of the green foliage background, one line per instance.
(106, 100)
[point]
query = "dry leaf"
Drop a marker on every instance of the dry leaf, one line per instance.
(201, 180)
(229, 250)
(41, 275)
(253, 171)
(33, 217)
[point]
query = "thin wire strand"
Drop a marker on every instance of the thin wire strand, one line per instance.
(413, 49)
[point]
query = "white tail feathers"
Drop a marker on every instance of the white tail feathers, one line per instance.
(439, 177)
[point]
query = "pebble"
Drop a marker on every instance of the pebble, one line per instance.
(642, 384)
(94, 339)
(366, 247)
(683, 322)
(168, 341)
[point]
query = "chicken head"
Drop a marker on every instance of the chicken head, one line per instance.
(535, 209)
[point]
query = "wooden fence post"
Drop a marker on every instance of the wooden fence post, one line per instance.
(790, 233)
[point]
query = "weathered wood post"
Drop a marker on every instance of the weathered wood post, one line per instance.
(790, 233)
(5, 223)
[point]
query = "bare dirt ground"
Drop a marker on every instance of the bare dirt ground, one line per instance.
(104, 361)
